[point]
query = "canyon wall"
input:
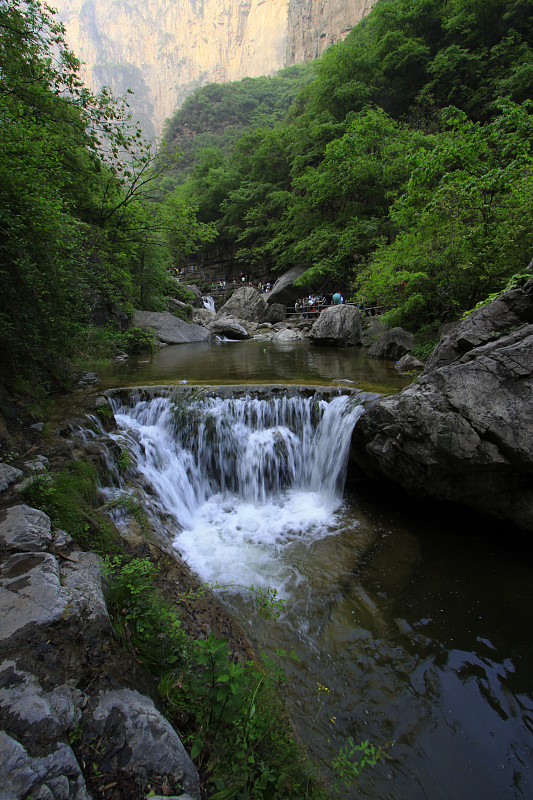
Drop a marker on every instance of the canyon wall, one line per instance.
(164, 49)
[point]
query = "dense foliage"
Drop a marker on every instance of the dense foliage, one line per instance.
(216, 115)
(82, 237)
(402, 173)
(397, 167)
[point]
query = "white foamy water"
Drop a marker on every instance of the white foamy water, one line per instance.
(209, 303)
(245, 479)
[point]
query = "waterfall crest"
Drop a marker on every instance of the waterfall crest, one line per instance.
(242, 477)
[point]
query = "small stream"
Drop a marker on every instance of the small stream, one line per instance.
(407, 629)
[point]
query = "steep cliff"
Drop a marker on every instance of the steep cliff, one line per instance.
(164, 49)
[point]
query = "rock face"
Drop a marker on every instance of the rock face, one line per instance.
(164, 50)
(338, 325)
(463, 431)
(169, 329)
(392, 345)
(63, 673)
(284, 291)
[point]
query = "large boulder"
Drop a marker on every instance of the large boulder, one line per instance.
(168, 328)
(463, 432)
(392, 345)
(284, 291)
(338, 325)
(228, 327)
(484, 325)
(276, 312)
(246, 303)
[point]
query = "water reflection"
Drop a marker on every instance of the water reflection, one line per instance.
(257, 362)
(422, 636)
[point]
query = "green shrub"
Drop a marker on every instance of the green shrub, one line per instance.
(69, 497)
(136, 340)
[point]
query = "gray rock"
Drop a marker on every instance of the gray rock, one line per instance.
(228, 327)
(56, 776)
(81, 575)
(287, 335)
(36, 465)
(373, 328)
(284, 291)
(30, 593)
(507, 312)
(462, 432)
(203, 316)
(392, 345)
(142, 738)
(8, 475)
(338, 325)
(24, 529)
(409, 363)
(50, 715)
(246, 303)
(168, 328)
(276, 312)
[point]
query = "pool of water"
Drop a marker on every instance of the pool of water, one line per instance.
(257, 361)
(410, 628)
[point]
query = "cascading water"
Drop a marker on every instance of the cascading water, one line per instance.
(408, 627)
(209, 303)
(244, 478)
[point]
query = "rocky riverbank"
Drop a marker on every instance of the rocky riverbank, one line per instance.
(463, 431)
(80, 716)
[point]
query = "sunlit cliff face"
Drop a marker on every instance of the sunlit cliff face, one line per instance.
(164, 49)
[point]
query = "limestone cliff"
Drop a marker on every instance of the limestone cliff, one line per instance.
(164, 49)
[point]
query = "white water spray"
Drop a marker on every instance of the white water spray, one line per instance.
(245, 479)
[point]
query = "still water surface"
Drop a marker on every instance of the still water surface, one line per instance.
(410, 627)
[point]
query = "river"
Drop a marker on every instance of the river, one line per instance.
(409, 628)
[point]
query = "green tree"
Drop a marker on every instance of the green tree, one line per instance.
(465, 220)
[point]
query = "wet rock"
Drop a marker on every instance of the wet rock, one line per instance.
(228, 327)
(140, 738)
(8, 475)
(88, 379)
(168, 328)
(338, 325)
(24, 529)
(392, 345)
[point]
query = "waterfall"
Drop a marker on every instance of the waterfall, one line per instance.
(243, 479)
(209, 303)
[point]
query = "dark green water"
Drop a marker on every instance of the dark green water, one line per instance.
(412, 627)
(256, 361)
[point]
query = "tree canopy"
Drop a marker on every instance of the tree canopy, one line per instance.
(401, 172)
(85, 233)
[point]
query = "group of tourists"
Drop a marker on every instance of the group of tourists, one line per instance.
(314, 304)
